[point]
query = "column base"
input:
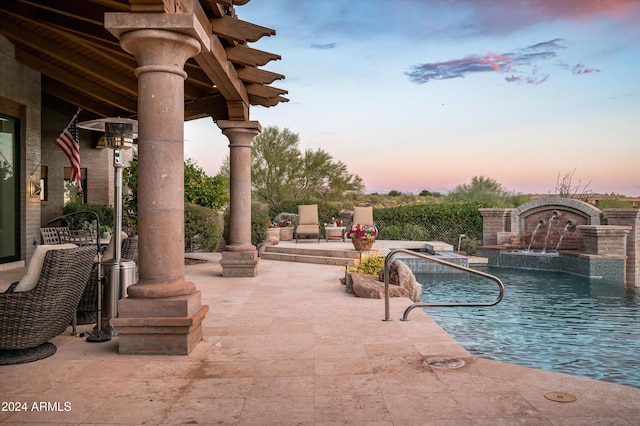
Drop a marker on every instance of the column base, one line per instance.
(239, 263)
(166, 326)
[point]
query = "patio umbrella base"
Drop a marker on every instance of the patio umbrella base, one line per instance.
(21, 356)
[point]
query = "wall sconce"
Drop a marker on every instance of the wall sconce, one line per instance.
(34, 187)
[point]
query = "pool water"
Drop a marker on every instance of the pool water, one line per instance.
(548, 320)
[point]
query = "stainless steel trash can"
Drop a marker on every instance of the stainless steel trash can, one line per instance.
(118, 276)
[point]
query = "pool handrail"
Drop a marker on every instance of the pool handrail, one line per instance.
(387, 262)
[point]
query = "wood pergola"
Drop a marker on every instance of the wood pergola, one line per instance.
(161, 62)
(82, 63)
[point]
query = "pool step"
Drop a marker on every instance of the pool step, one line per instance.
(312, 255)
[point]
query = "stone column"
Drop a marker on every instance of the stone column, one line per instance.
(163, 313)
(631, 218)
(240, 258)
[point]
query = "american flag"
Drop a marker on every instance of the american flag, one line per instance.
(71, 148)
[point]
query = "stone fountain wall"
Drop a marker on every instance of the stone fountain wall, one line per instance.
(570, 235)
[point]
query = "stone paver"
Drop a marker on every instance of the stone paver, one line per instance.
(291, 347)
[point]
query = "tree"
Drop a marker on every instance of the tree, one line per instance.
(281, 172)
(485, 190)
(565, 188)
(201, 189)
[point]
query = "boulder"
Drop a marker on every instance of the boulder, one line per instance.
(402, 283)
(401, 275)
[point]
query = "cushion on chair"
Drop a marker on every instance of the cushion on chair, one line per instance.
(32, 276)
(308, 229)
(363, 215)
(308, 215)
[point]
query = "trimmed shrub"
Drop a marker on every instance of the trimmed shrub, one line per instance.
(202, 227)
(86, 221)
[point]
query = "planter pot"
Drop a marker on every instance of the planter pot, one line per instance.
(273, 236)
(286, 233)
(363, 243)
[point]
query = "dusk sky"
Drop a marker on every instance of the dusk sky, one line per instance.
(426, 94)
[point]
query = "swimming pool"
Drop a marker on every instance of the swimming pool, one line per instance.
(548, 320)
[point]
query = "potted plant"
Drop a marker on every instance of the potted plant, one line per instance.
(362, 236)
(273, 234)
(105, 232)
(286, 228)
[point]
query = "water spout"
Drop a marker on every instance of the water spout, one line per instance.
(535, 231)
(568, 226)
(554, 214)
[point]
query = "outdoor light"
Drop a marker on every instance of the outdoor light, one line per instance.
(34, 188)
(119, 134)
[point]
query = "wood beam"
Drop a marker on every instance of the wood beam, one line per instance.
(251, 57)
(258, 76)
(264, 91)
(221, 72)
(238, 30)
(60, 91)
(67, 56)
(83, 85)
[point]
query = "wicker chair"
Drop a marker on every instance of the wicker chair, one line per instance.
(28, 319)
(50, 235)
(88, 306)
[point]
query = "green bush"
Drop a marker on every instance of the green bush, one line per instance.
(371, 265)
(259, 223)
(413, 232)
(390, 232)
(430, 222)
(203, 226)
(86, 221)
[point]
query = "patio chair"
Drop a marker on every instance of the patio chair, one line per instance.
(37, 310)
(50, 235)
(308, 222)
(363, 216)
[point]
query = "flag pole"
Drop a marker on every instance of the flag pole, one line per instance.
(54, 143)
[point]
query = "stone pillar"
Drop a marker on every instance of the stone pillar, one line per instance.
(163, 313)
(606, 240)
(493, 222)
(240, 258)
(631, 218)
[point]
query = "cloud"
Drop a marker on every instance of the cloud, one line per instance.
(523, 65)
(323, 46)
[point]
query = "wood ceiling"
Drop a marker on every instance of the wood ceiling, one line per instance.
(83, 65)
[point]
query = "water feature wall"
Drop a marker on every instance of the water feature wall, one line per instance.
(563, 234)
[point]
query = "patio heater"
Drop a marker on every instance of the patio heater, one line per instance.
(119, 134)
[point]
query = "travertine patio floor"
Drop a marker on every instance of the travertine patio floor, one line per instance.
(291, 347)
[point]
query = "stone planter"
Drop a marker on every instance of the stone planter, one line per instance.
(363, 243)
(334, 233)
(273, 236)
(286, 233)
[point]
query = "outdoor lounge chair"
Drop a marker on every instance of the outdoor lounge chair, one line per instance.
(308, 222)
(36, 310)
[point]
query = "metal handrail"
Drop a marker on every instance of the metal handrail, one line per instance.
(387, 262)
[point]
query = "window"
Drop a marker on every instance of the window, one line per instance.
(44, 187)
(71, 193)
(9, 191)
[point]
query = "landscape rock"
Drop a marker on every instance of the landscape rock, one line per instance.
(402, 283)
